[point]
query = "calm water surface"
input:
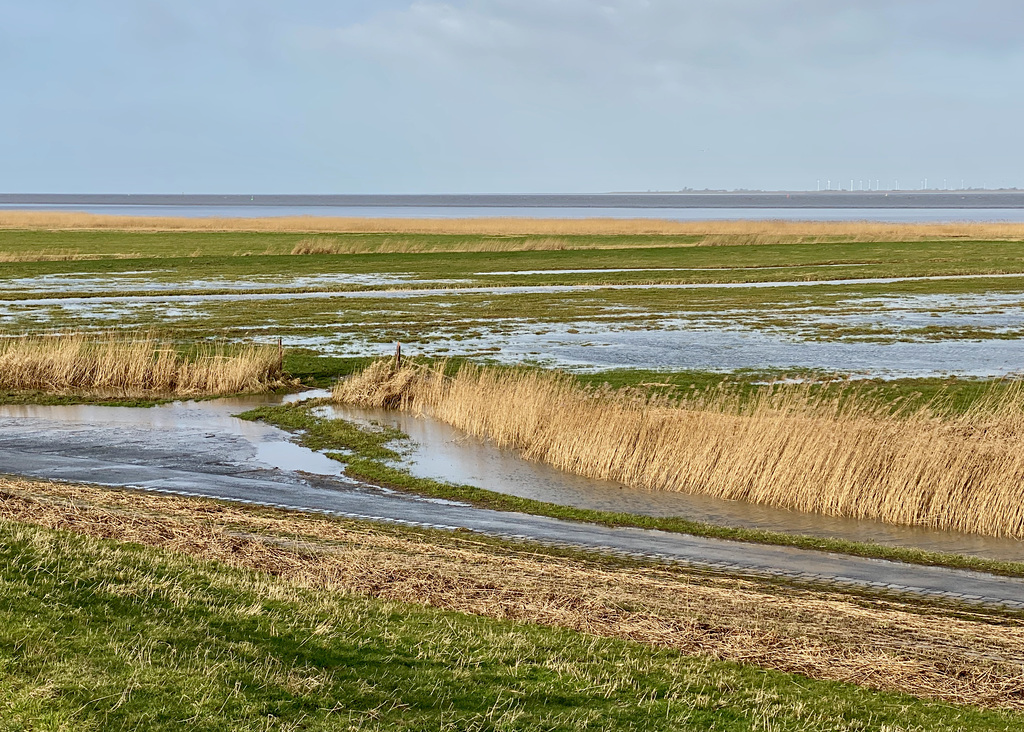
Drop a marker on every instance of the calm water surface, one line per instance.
(442, 452)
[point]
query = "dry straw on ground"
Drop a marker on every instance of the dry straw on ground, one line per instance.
(832, 456)
(970, 658)
(546, 231)
(128, 365)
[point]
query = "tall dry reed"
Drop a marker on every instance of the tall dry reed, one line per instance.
(706, 232)
(841, 457)
(133, 366)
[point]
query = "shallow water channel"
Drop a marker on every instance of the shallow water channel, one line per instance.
(205, 436)
(439, 451)
(186, 434)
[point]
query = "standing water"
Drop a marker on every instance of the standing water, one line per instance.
(441, 452)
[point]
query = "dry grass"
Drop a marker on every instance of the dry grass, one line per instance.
(969, 658)
(548, 231)
(329, 245)
(59, 256)
(127, 365)
(841, 458)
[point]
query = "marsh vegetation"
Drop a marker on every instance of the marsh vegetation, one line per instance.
(700, 232)
(300, 614)
(798, 447)
(134, 365)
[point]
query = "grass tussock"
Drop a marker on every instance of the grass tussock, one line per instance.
(545, 233)
(925, 650)
(127, 365)
(836, 455)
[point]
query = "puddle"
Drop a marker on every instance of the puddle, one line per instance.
(728, 350)
(671, 347)
(441, 452)
(88, 282)
(185, 434)
(970, 335)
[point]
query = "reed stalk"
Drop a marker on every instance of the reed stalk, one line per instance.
(133, 365)
(841, 456)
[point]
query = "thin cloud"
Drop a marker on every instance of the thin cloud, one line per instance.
(666, 46)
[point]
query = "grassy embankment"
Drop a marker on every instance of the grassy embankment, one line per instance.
(119, 366)
(221, 616)
(793, 449)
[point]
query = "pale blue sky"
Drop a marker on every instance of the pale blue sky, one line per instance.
(311, 96)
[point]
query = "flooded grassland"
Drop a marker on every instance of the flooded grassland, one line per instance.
(684, 319)
(566, 299)
(653, 306)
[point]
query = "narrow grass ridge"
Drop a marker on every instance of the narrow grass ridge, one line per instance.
(837, 455)
(133, 365)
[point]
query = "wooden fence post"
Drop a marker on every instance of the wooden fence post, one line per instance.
(398, 355)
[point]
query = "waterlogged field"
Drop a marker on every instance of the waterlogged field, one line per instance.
(661, 300)
(740, 333)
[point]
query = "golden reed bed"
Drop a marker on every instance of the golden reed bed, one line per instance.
(127, 365)
(790, 450)
(705, 232)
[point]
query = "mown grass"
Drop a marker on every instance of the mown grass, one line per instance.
(315, 369)
(102, 635)
(365, 452)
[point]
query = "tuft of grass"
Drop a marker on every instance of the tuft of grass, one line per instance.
(333, 434)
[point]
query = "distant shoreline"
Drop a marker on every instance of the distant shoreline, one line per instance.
(1007, 199)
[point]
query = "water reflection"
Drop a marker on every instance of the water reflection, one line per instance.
(441, 452)
(188, 433)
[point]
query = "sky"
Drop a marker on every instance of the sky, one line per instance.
(508, 96)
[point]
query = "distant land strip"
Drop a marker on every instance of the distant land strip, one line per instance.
(533, 233)
(967, 199)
